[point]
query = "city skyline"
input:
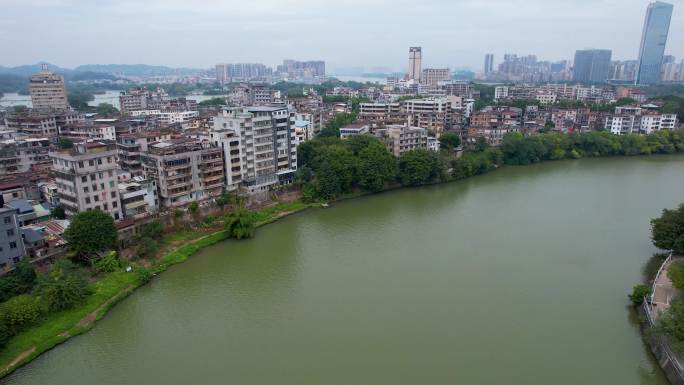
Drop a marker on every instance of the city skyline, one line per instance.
(191, 36)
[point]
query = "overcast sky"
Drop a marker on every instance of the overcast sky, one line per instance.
(347, 33)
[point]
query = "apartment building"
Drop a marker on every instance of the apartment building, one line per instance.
(433, 76)
(353, 130)
(86, 178)
(41, 124)
(634, 120)
(11, 244)
(434, 114)
(88, 130)
(260, 142)
(131, 146)
(138, 197)
(381, 112)
(47, 91)
(24, 155)
(402, 138)
(139, 99)
(185, 170)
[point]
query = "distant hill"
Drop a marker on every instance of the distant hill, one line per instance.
(30, 69)
(136, 69)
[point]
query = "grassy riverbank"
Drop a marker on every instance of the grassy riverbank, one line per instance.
(58, 327)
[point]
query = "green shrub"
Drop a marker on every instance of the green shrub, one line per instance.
(638, 294)
(676, 274)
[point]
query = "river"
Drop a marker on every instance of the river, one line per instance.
(520, 276)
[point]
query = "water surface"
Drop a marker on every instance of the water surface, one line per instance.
(520, 276)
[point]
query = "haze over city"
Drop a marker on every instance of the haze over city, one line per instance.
(370, 35)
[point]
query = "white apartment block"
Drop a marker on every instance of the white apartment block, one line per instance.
(264, 138)
(546, 98)
(500, 92)
(434, 114)
(86, 178)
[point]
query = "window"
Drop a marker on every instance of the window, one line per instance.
(111, 184)
(111, 173)
(13, 245)
(114, 204)
(96, 198)
(94, 187)
(92, 176)
(109, 160)
(91, 162)
(8, 220)
(116, 216)
(14, 195)
(87, 200)
(84, 179)
(99, 160)
(85, 189)
(10, 232)
(99, 175)
(113, 194)
(80, 165)
(105, 207)
(102, 186)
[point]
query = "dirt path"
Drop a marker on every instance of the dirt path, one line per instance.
(92, 316)
(19, 358)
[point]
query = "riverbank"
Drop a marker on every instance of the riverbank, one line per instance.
(57, 328)
(670, 361)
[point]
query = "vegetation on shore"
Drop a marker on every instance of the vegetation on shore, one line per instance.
(330, 167)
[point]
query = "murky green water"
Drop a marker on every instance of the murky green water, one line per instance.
(516, 277)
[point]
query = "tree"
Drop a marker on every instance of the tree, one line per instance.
(667, 230)
(64, 286)
(108, 263)
(449, 141)
(240, 224)
(153, 229)
(676, 274)
(106, 110)
(194, 211)
(90, 233)
(671, 322)
(417, 167)
(58, 212)
(376, 167)
(20, 311)
(638, 294)
(19, 281)
(213, 102)
(79, 99)
(147, 247)
(65, 143)
(21, 109)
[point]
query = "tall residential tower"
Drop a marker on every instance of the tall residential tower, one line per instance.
(653, 41)
(415, 63)
(488, 63)
(591, 65)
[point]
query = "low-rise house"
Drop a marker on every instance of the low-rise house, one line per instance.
(401, 138)
(353, 130)
(138, 197)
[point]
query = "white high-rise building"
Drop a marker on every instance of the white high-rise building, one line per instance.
(415, 63)
(258, 145)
